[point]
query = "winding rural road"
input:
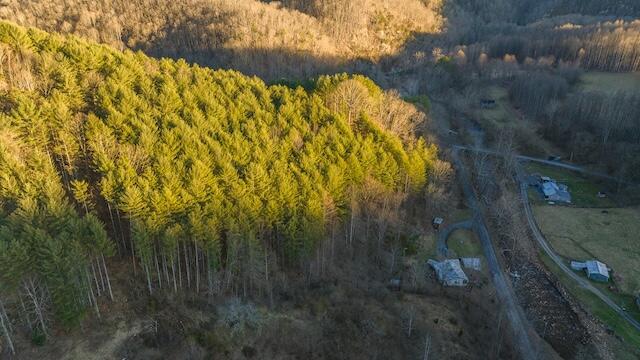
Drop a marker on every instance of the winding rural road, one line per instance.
(542, 241)
(537, 233)
(519, 324)
(559, 164)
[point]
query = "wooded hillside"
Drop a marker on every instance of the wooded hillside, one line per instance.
(269, 39)
(209, 180)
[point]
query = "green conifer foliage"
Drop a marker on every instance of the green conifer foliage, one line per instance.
(199, 172)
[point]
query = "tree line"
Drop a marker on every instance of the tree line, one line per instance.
(593, 126)
(209, 181)
(272, 39)
(606, 46)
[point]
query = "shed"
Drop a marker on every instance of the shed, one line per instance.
(471, 263)
(437, 221)
(449, 272)
(597, 271)
(487, 103)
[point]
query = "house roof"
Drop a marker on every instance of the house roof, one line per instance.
(596, 267)
(549, 188)
(449, 270)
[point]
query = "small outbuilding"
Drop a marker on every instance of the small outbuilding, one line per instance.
(437, 221)
(595, 270)
(487, 103)
(449, 272)
(471, 263)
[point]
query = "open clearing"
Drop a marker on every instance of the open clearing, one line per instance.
(609, 82)
(583, 189)
(502, 112)
(612, 237)
(464, 243)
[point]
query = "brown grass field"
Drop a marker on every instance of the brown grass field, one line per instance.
(609, 82)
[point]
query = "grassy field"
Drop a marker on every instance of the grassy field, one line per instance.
(501, 113)
(609, 82)
(630, 348)
(582, 233)
(464, 243)
(458, 215)
(583, 189)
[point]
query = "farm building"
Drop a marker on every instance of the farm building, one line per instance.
(449, 272)
(595, 270)
(553, 191)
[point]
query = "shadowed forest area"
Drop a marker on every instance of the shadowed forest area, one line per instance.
(270, 39)
(204, 178)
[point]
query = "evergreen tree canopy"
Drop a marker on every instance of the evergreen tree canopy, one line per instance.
(213, 159)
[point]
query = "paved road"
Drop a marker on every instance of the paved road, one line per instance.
(521, 327)
(548, 162)
(443, 235)
(542, 241)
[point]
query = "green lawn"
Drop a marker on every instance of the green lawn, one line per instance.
(609, 82)
(464, 243)
(583, 189)
(630, 348)
(583, 233)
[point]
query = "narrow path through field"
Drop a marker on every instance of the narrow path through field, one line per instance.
(519, 324)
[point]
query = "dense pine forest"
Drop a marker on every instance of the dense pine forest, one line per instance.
(208, 181)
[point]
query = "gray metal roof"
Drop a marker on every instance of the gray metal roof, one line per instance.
(472, 263)
(596, 267)
(449, 272)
